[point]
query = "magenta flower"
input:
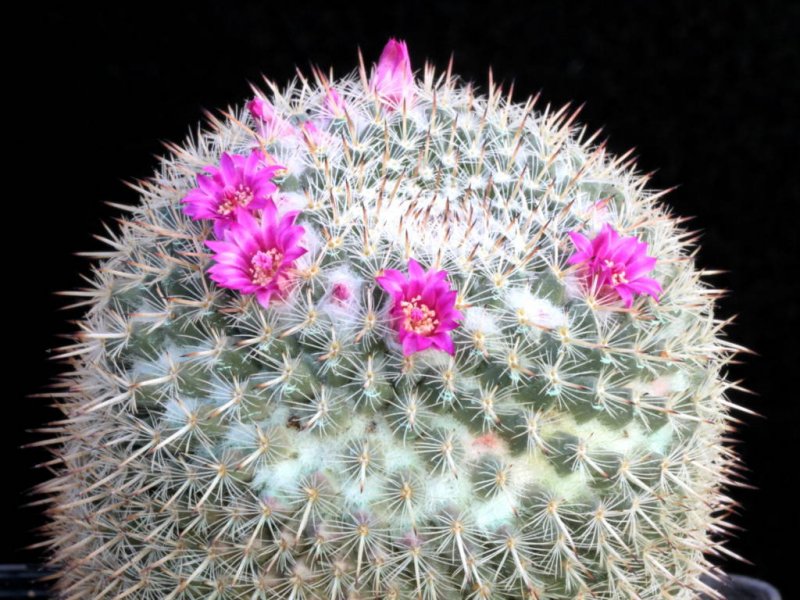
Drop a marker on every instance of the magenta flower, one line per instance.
(615, 262)
(334, 103)
(423, 309)
(273, 124)
(241, 183)
(341, 292)
(392, 79)
(314, 134)
(258, 253)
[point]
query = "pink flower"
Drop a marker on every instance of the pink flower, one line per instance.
(341, 292)
(274, 125)
(392, 79)
(423, 309)
(241, 183)
(344, 290)
(314, 135)
(334, 103)
(258, 253)
(611, 261)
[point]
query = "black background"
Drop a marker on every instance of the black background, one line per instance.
(707, 92)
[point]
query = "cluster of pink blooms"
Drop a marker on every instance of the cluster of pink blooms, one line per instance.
(256, 247)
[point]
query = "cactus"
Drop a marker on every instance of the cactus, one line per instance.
(384, 336)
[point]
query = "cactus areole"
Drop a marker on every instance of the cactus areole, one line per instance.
(392, 336)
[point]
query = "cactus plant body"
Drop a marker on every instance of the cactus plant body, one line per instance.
(390, 336)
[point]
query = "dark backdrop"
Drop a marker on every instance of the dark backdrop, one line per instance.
(706, 91)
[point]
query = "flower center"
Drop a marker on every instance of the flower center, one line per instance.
(617, 272)
(241, 195)
(418, 317)
(263, 266)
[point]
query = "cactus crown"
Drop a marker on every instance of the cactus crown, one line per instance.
(389, 337)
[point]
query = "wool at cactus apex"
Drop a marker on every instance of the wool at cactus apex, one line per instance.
(704, 93)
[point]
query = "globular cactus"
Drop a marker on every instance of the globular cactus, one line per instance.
(385, 336)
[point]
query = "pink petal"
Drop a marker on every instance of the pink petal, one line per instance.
(581, 242)
(444, 342)
(334, 102)
(415, 270)
(264, 296)
(624, 250)
(625, 294)
(220, 226)
(228, 169)
(639, 266)
(392, 281)
(645, 285)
